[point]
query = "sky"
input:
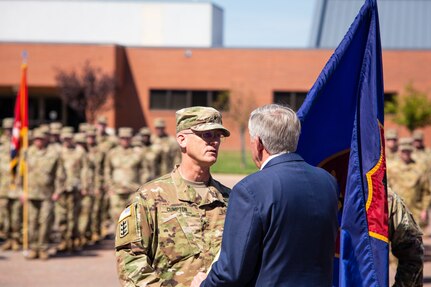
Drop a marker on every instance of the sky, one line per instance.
(269, 23)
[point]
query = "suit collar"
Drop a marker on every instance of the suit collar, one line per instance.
(284, 158)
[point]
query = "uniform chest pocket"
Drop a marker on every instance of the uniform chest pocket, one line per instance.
(175, 240)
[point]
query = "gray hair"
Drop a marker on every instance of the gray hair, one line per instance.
(277, 126)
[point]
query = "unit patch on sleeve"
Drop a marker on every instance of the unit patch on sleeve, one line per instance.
(124, 228)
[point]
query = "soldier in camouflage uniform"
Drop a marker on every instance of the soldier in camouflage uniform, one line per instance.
(10, 206)
(391, 146)
(104, 145)
(43, 168)
(150, 156)
(87, 190)
(54, 139)
(421, 153)
(92, 183)
(122, 169)
(173, 228)
(73, 167)
(7, 125)
(5, 138)
(406, 243)
(410, 179)
(166, 146)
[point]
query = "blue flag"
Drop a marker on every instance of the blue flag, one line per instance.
(342, 131)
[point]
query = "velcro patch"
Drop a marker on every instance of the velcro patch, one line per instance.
(124, 228)
(126, 213)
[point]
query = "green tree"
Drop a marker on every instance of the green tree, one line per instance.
(411, 109)
(85, 92)
(241, 104)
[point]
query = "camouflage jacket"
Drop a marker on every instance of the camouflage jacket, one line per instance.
(73, 168)
(122, 168)
(43, 173)
(406, 243)
(150, 160)
(5, 173)
(169, 233)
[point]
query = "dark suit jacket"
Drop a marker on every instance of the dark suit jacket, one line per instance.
(280, 228)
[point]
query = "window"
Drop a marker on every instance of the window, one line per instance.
(177, 99)
(292, 99)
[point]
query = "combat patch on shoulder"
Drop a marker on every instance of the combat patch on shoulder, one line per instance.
(127, 227)
(124, 228)
(126, 213)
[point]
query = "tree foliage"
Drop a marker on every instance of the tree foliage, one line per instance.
(411, 109)
(241, 104)
(85, 92)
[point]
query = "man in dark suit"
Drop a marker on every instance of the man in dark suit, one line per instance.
(281, 222)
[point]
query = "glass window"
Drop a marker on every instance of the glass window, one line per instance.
(178, 100)
(158, 99)
(292, 99)
(199, 98)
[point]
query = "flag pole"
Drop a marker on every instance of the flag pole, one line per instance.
(24, 136)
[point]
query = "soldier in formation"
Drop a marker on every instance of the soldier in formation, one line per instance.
(173, 228)
(73, 179)
(410, 179)
(10, 205)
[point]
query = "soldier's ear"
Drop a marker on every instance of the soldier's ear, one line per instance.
(181, 140)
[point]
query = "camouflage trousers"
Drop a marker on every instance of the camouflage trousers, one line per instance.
(4, 215)
(86, 210)
(97, 214)
(67, 212)
(118, 203)
(14, 219)
(40, 219)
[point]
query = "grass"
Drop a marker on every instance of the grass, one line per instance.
(230, 162)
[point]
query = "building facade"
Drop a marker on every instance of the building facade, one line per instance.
(154, 82)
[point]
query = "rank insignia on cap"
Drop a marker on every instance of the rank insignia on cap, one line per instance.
(124, 228)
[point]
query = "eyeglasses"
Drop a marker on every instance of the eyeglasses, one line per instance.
(209, 135)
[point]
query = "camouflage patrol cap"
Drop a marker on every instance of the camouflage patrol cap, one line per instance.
(44, 128)
(405, 144)
(38, 134)
(66, 135)
(125, 132)
(79, 137)
(67, 129)
(102, 120)
(159, 123)
(391, 134)
(7, 123)
(200, 119)
(55, 126)
(418, 135)
(145, 131)
(82, 128)
(90, 133)
(136, 141)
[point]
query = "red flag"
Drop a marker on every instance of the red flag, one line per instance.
(20, 126)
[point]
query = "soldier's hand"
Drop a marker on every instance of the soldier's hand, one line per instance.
(55, 196)
(22, 197)
(424, 216)
(197, 280)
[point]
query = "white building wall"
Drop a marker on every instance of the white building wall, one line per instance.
(129, 23)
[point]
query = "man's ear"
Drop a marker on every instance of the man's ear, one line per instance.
(181, 140)
(260, 146)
